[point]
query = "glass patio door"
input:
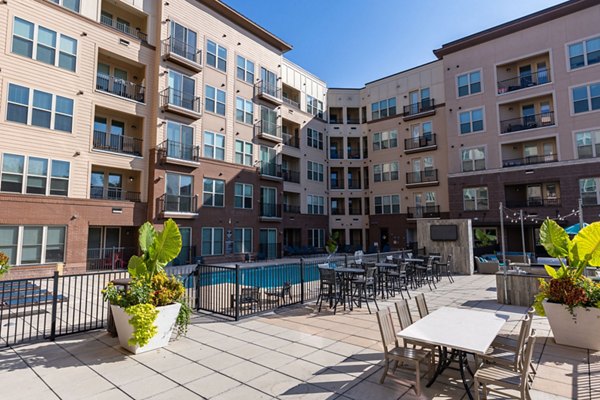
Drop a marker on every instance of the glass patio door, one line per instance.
(182, 91)
(268, 243)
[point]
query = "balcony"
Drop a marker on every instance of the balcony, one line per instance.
(290, 102)
(534, 202)
(524, 81)
(180, 103)
(177, 206)
(354, 183)
(120, 87)
(290, 96)
(337, 184)
(420, 143)
(527, 122)
(182, 53)
(423, 212)
(177, 153)
(270, 212)
(291, 140)
(268, 92)
(336, 115)
(290, 175)
(270, 170)
(530, 160)
(422, 178)
(421, 109)
(291, 209)
(353, 115)
(113, 193)
(338, 211)
(268, 130)
(117, 143)
(123, 26)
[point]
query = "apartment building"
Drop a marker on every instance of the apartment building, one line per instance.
(522, 118)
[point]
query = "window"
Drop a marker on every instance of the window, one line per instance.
(385, 172)
(243, 153)
(316, 238)
(245, 69)
(214, 100)
(41, 44)
(243, 195)
(179, 196)
(180, 141)
(46, 177)
(314, 171)
(70, 4)
(182, 91)
(33, 244)
(471, 121)
(216, 56)
(214, 146)
(469, 83)
(385, 140)
(383, 108)
(314, 138)
(183, 42)
(586, 98)
(475, 198)
(242, 240)
(473, 159)
(37, 108)
(213, 193)
(315, 204)
(244, 110)
(314, 106)
(387, 204)
(588, 144)
(584, 53)
(212, 241)
(589, 191)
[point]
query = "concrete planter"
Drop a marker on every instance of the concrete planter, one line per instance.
(578, 330)
(165, 321)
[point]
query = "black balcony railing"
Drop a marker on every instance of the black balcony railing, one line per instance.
(335, 184)
(264, 127)
(181, 151)
(291, 209)
(423, 106)
(270, 169)
(338, 211)
(174, 97)
(120, 87)
(353, 153)
(352, 121)
(535, 202)
(333, 119)
(270, 210)
(353, 183)
(527, 122)
(117, 143)
(178, 203)
(516, 162)
(420, 142)
(524, 81)
(423, 212)
(291, 140)
(290, 175)
(182, 49)
(268, 89)
(291, 102)
(355, 211)
(123, 27)
(113, 193)
(427, 176)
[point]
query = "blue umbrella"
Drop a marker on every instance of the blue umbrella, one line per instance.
(574, 229)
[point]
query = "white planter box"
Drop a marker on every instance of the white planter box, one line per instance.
(578, 330)
(165, 321)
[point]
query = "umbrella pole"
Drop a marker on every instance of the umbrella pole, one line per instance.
(503, 254)
(580, 201)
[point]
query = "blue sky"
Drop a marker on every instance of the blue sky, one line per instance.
(350, 42)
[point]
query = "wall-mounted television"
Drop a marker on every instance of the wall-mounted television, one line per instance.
(443, 232)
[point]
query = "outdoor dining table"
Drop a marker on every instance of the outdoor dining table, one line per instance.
(347, 275)
(382, 267)
(461, 330)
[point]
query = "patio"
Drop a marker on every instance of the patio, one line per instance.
(291, 353)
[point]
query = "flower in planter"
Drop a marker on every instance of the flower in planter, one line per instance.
(4, 265)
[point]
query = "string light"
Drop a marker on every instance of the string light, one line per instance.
(516, 214)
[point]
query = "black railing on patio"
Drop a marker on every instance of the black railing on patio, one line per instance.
(427, 176)
(265, 127)
(123, 27)
(291, 209)
(108, 258)
(270, 210)
(524, 81)
(113, 193)
(420, 142)
(291, 140)
(177, 98)
(423, 212)
(120, 87)
(527, 122)
(290, 175)
(516, 162)
(535, 202)
(176, 203)
(353, 183)
(423, 106)
(181, 151)
(183, 49)
(269, 89)
(270, 169)
(117, 143)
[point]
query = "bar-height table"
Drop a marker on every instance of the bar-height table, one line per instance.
(460, 330)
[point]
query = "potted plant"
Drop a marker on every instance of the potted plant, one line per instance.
(570, 300)
(146, 312)
(4, 266)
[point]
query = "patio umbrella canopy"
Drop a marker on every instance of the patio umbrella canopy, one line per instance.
(574, 229)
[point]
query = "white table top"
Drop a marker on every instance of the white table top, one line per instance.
(457, 328)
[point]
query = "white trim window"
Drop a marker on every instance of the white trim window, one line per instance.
(245, 70)
(314, 138)
(244, 110)
(586, 52)
(244, 153)
(383, 108)
(215, 100)
(213, 193)
(37, 108)
(588, 144)
(475, 199)
(34, 175)
(72, 5)
(212, 241)
(586, 98)
(243, 195)
(242, 240)
(214, 146)
(314, 106)
(216, 55)
(316, 238)
(471, 121)
(473, 159)
(385, 140)
(314, 171)
(31, 245)
(42, 44)
(389, 204)
(315, 204)
(469, 83)
(385, 172)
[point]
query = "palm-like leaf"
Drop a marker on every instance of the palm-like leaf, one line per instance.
(147, 232)
(554, 239)
(586, 244)
(167, 244)
(137, 266)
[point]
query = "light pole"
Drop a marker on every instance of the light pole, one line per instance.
(522, 236)
(503, 252)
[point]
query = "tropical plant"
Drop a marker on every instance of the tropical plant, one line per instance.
(4, 265)
(484, 238)
(567, 284)
(150, 286)
(331, 245)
